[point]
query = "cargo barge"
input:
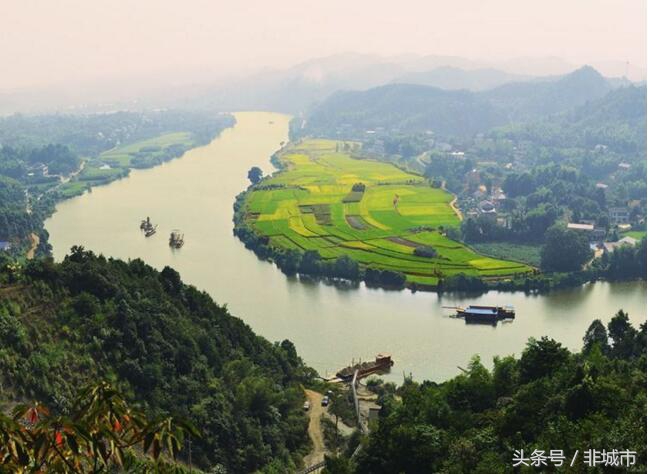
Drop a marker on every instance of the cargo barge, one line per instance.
(485, 314)
(382, 363)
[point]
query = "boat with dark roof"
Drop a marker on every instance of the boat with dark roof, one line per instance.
(484, 314)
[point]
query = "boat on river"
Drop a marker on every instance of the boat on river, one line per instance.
(484, 314)
(382, 363)
(146, 224)
(148, 227)
(176, 239)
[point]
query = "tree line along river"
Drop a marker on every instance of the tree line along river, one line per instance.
(329, 324)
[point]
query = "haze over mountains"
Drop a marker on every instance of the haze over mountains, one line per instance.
(418, 108)
(294, 89)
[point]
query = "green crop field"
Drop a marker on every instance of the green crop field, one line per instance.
(310, 205)
(145, 152)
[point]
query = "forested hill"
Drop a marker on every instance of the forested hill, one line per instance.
(168, 346)
(405, 108)
(617, 121)
(548, 399)
(524, 100)
(408, 108)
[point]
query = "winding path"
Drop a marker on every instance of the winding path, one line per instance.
(314, 428)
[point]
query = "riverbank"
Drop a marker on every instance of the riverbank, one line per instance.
(104, 169)
(330, 323)
(327, 213)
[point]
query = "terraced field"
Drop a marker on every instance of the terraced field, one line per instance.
(390, 219)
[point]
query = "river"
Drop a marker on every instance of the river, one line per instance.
(329, 325)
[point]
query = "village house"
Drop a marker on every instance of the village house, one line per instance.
(611, 246)
(581, 227)
(487, 209)
(619, 215)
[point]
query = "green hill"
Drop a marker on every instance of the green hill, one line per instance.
(168, 346)
(409, 108)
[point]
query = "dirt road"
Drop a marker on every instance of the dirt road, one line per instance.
(314, 429)
(34, 240)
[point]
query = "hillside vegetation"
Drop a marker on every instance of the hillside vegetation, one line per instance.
(166, 345)
(44, 159)
(336, 207)
(548, 399)
(410, 108)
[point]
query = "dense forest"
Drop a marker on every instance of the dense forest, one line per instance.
(548, 399)
(166, 345)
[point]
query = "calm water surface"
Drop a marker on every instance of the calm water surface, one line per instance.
(328, 324)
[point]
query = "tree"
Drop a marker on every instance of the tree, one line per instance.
(541, 358)
(255, 174)
(623, 335)
(564, 250)
(100, 434)
(596, 335)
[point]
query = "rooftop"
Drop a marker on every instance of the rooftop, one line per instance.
(611, 246)
(574, 226)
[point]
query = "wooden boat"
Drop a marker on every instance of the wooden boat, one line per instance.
(176, 239)
(149, 232)
(146, 224)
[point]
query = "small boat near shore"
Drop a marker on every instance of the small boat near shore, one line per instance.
(382, 363)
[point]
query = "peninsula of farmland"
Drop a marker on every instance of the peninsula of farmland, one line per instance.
(327, 200)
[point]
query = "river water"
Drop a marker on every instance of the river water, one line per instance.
(329, 325)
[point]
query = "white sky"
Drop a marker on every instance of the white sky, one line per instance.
(52, 41)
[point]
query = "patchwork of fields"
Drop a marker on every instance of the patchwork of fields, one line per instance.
(374, 212)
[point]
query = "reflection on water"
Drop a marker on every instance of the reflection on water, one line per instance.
(330, 322)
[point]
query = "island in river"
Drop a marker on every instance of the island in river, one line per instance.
(330, 213)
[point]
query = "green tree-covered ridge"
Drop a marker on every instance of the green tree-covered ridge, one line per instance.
(547, 399)
(166, 345)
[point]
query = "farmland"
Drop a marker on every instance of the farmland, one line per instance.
(382, 217)
(116, 162)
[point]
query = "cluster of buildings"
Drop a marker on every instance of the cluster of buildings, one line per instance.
(619, 217)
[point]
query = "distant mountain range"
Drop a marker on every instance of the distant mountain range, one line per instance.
(409, 107)
(454, 78)
(294, 89)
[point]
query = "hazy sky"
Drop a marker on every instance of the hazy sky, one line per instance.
(50, 41)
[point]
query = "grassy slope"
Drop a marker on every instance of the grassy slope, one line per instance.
(635, 234)
(318, 172)
(141, 154)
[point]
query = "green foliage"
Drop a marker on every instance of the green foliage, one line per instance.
(548, 399)
(169, 348)
(564, 250)
(255, 174)
(307, 220)
(36, 152)
(100, 432)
